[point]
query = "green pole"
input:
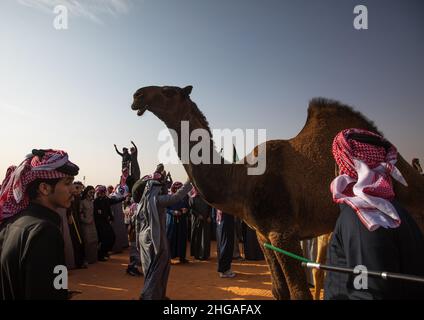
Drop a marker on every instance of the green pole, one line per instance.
(311, 264)
(292, 255)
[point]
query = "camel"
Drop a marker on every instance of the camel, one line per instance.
(291, 201)
(319, 274)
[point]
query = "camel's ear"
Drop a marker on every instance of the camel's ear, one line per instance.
(186, 91)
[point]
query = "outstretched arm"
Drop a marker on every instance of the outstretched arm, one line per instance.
(171, 199)
(420, 170)
(169, 178)
(116, 200)
(134, 145)
(117, 151)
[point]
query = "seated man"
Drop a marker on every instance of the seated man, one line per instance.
(31, 241)
(373, 229)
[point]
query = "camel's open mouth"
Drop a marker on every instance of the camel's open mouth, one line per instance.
(140, 110)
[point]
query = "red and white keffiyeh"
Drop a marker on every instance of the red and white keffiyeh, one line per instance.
(193, 192)
(100, 189)
(176, 186)
(41, 164)
(218, 216)
(147, 177)
(155, 176)
(120, 192)
(124, 176)
(365, 181)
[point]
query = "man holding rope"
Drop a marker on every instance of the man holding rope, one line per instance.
(373, 230)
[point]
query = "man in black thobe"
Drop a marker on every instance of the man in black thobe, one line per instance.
(200, 242)
(135, 167)
(225, 243)
(373, 232)
(74, 219)
(126, 157)
(31, 242)
(103, 218)
(399, 250)
(252, 248)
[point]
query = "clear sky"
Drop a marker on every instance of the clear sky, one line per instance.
(253, 64)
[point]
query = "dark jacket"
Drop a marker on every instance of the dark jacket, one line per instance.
(399, 250)
(102, 209)
(31, 246)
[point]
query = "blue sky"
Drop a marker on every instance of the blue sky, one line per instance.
(253, 64)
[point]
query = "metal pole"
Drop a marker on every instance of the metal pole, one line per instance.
(380, 274)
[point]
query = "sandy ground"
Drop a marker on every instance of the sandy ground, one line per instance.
(196, 280)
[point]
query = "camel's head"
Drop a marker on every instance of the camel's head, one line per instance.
(160, 100)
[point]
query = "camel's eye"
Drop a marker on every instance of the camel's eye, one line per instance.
(137, 94)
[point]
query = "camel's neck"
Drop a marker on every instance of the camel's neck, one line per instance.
(214, 178)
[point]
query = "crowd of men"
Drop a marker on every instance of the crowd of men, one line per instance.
(48, 220)
(95, 222)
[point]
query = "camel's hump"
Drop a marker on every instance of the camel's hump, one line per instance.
(322, 107)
